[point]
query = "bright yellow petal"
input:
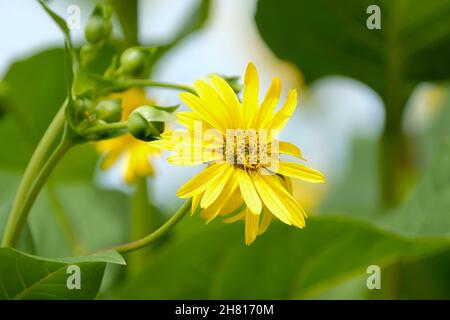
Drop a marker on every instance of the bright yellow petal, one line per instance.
(128, 170)
(235, 203)
(214, 209)
(205, 112)
(236, 217)
(299, 171)
(248, 192)
(195, 202)
(201, 181)
(215, 187)
(287, 183)
(212, 98)
(289, 149)
(279, 201)
(231, 100)
(281, 117)
(296, 212)
(251, 226)
(272, 202)
(267, 218)
(250, 95)
(265, 112)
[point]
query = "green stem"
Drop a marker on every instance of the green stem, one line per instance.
(141, 243)
(148, 83)
(22, 213)
(105, 127)
(15, 219)
(142, 221)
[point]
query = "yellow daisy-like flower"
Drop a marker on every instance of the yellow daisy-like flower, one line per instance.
(237, 140)
(135, 153)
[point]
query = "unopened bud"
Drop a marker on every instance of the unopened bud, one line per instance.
(133, 61)
(147, 123)
(109, 110)
(97, 29)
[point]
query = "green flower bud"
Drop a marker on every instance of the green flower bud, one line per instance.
(109, 110)
(82, 106)
(133, 61)
(147, 123)
(97, 28)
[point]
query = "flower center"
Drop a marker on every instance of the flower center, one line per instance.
(247, 149)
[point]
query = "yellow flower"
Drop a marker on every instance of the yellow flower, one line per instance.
(237, 140)
(135, 153)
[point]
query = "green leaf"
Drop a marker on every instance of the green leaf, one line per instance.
(28, 277)
(213, 262)
(60, 22)
(33, 100)
(425, 211)
(331, 38)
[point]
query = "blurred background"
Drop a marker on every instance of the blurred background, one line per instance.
(373, 116)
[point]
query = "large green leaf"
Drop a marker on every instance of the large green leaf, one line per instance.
(286, 262)
(34, 99)
(326, 37)
(23, 276)
(425, 211)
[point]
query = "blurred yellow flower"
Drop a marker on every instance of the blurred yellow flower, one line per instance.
(236, 140)
(134, 153)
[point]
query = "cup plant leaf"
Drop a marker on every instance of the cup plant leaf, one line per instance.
(27, 277)
(332, 38)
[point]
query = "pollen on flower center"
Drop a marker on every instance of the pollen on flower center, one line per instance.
(246, 149)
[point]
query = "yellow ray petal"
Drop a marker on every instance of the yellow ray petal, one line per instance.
(231, 100)
(287, 183)
(250, 95)
(296, 212)
(251, 226)
(248, 192)
(279, 201)
(281, 117)
(215, 187)
(128, 172)
(195, 202)
(214, 210)
(202, 110)
(265, 112)
(299, 171)
(236, 217)
(212, 98)
(289, 149)
(235, 204)
(271, 201)
(267, 218)
(201, 181)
